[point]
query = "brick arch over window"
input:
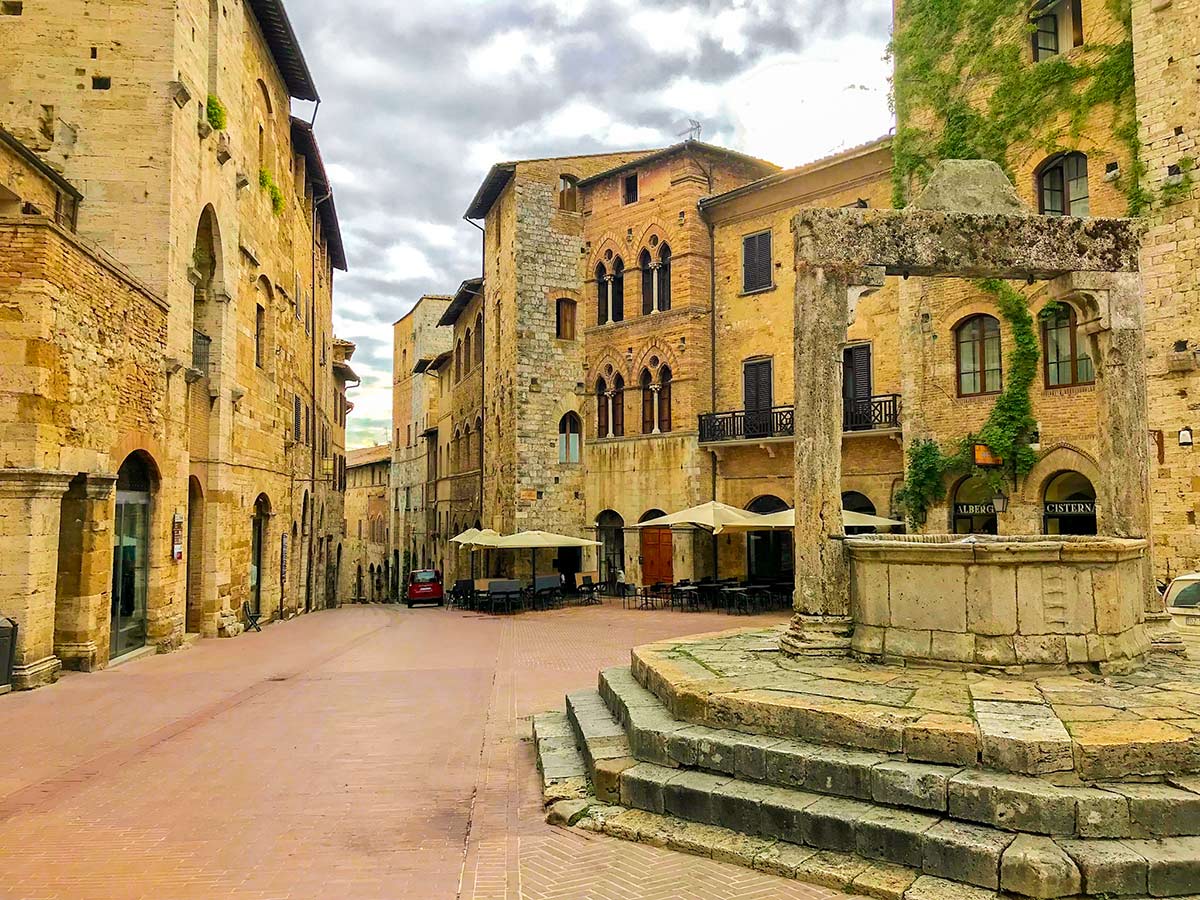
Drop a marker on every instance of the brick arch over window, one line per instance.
(666, 357)
(600, 367)
(1061, 457)
(1062, 185)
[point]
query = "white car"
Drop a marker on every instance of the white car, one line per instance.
(1183, 600)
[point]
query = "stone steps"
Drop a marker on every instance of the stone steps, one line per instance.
(728, 794)
(975, 796)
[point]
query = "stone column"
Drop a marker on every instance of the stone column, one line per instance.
(85, 553)
(654, 389)
(608, 302)
(824, 304)
(1113, 325)
(30, 501)
(654, 267)
(609, 400)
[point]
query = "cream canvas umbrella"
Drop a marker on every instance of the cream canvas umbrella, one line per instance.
(474, 539)
(786, 518)
(533, 541)
(713, 515)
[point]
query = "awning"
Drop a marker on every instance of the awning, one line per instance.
(713, 514)
(537, 540)
(477, 537)
(786, 518)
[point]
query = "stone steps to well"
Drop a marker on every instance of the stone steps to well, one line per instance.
(729, 794)
(1036, 805)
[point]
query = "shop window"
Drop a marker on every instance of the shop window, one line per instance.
(974, 507)
(978, 350)
(1069, 505)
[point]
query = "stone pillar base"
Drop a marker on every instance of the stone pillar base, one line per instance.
(81, 656)
(36, 674)
(817, 635)
(1164, 636)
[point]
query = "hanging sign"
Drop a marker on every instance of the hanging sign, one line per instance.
(177, 537)
(985, 458)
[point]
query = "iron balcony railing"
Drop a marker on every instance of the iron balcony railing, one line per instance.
(871, 413)
(201, 343)
(865, 414)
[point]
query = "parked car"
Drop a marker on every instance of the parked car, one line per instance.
(1183, 599)
(424, 586)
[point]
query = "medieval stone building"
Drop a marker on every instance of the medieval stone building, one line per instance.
(366, 568)
(636, 316)
(173, 430)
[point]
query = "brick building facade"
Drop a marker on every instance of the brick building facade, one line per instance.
(201, 454)
(647, 300)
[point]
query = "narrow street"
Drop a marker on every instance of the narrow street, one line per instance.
(369, 751)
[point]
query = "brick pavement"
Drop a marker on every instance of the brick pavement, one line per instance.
(371, 752)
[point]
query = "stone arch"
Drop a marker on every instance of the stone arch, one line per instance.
(138, 442)
(1061, 457)
(608, 358)
(656, 228)
(608, 242)
(194, 603)
(859, 501)
(666, 357)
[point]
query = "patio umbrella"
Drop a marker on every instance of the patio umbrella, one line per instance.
(475, 538)
(539, 540)
(786, 518)
(713, 515)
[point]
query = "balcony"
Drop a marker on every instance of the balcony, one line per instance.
(868, 414)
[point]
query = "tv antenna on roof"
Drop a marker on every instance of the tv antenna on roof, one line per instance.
(692, 132)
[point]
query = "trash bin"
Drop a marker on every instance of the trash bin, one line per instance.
(8, 652)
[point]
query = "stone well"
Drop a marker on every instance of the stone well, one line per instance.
(984, 601)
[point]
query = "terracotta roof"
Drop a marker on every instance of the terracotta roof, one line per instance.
(368, 455)
(306, 142)
(467, 291)
(679, 148)
(285, 48)
(799, 171)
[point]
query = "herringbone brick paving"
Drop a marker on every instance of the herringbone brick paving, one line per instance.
(371, 752)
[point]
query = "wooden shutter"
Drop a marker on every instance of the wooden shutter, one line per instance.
(296, 417)
(647, 407)
(664, 404)
(756, 261)
(601, 411)
(1077, 23)
(856, 372)
(618, 417)
(757, 383)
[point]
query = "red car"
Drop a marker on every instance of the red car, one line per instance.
(424, 586)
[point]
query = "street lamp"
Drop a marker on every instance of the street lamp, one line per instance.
(1000, 501)
(1185, 437)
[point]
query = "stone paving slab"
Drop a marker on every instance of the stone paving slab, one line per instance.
(1098, 727)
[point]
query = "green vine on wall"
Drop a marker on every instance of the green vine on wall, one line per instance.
(267, 183)
(1008, 428)
(965, 89)
(214, 111)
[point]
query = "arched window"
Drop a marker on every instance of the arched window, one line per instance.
(1069, 505)
(618, 290)
(618, 406)
(479, 337)
(978, 348)
(1063, 186)
(664, 278)
(1067, 363)
(647, 282)
(456, 452)
(458, 361)
(853, 501)
(564, 319)
(602, 408)
(647, 402)
(974, 507)
(664, 399)
(602, 290)
(467, 352)
(568, 193)
(569, 431)
(478, 458)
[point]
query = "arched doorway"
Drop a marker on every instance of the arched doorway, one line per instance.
(974, 509)
(371, 580)
(258, 541)
(853, 501)
(1069, 505)
(611, 529)
(657, 551)
(768, 553)
(358, 584)
(131, 552)
(194, 610)
(332, 599)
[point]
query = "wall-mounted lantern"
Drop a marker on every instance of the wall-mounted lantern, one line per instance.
(1185, 437)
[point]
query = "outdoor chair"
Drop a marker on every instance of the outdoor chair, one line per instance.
(547, 591)
(588, 590)
(462, 592)
(251, 616)
(506, 593)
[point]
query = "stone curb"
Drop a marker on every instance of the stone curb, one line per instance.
(1012, 802)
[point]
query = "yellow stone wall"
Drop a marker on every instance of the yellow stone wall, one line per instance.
(368, 530)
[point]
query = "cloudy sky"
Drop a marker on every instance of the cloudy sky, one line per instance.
(420, 97)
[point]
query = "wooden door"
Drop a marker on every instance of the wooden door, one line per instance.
(656, 556)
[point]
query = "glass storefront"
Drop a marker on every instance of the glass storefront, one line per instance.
(131, 539)
(1069, 505)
